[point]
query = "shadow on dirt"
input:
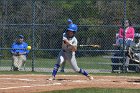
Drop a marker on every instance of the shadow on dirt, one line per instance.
(136, 81)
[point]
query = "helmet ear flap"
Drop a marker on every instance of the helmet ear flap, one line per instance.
(74, 32)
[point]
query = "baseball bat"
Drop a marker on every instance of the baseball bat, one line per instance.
(98, 46)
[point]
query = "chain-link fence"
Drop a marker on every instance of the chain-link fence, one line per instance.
(42, 23)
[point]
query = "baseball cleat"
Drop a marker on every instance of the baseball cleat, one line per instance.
(62, 70)
(52, 78)
(90, 77)
(114, 44)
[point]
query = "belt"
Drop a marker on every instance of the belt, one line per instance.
(65, 51)
(17, 55)
(129, 39)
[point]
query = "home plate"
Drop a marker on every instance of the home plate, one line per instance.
(79, 81)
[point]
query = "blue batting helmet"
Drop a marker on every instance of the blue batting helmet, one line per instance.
(73, 27)
(69, 20)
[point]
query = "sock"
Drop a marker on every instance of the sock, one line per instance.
(83, 72)
(55, 69)
(63, 66)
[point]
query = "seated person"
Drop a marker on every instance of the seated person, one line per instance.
(19, 52)
(138, 49)
(138, 44)
(134, 57)
(127, 34)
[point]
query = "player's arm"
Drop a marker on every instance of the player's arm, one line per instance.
(120, 33)
(72, 47)
(26, 51)
(65, 40)
(13, 51)
(22, 53)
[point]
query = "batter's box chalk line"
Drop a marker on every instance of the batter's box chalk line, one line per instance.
(35, 85)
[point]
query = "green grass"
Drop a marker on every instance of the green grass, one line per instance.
(83, 62)
(68, 73)
(96, 90)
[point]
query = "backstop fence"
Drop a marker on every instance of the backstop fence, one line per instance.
(42, 22)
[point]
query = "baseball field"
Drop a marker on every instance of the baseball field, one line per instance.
(104, 33)
(35, 82)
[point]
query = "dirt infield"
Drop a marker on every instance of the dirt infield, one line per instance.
(38, 83)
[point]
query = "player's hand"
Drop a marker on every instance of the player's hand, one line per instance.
(22, 53)
(66, 42)
(18, 54)
(72, 48)
(15, 54)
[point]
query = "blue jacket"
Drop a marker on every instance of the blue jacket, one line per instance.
(19, 48)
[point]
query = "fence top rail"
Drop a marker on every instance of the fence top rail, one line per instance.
(118, 57)
(101, 63)
(30, 24)
(60, 49)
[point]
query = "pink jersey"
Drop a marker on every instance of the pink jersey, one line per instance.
(129, 33)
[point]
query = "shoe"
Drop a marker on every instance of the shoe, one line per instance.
(62, 71)
(15, 69)
(115, 45)
(90, 77)
(52, 78)
(112, 71)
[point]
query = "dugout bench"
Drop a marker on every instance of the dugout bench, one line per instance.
(118, 66)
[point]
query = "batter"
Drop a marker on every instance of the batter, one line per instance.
(69, 46)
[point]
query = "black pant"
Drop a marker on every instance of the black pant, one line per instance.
(117, 67)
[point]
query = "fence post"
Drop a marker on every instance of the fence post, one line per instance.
(124, 67)
(33, 32)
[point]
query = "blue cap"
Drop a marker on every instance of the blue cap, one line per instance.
(69, 20)
(20, 36)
